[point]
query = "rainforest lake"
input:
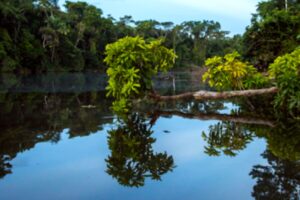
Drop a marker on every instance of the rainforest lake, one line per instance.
(59, 139)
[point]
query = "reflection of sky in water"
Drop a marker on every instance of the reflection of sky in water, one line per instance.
(75, 169)
(228, 108)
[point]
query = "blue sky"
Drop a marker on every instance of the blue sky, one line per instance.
(234, 15)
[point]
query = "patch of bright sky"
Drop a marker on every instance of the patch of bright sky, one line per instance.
(234, 15)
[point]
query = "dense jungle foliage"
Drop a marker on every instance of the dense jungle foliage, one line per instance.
(274, 31)
(37, 35)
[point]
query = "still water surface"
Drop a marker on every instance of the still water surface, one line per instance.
(60, 140)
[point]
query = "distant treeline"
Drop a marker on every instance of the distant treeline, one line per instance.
(36, 35)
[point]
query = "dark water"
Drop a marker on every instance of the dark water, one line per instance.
(60, 140)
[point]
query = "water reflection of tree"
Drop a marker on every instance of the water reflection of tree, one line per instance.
(284, 139)
(31, 118)
(132, 158)
(235, 129)
(5, 166)
(191, 107)
(251, 118)
(227, 137)
(279, 180)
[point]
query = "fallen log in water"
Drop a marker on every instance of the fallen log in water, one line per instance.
(207, 95)
(216, 116)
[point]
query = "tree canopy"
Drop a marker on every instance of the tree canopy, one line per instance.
(274, 31)
(36, 36)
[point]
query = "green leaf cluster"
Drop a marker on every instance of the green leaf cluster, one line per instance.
(286, 72)
(132, 62)
(229, 72)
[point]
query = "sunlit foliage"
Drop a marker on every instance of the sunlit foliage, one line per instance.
(229, 72)
(132, 63)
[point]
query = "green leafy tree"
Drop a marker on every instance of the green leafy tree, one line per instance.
(124, 28)
(132, 63)
(91, 32)
(273, 32)
(229, 72)
(286, 72)
(147, 28)
(201, 32)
